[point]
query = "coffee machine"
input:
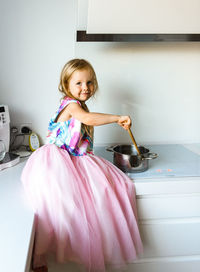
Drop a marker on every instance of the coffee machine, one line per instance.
(9, 159)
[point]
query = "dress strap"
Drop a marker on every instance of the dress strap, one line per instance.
(66, 101)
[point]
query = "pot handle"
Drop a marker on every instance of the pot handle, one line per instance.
(151, 156)
(110, 148)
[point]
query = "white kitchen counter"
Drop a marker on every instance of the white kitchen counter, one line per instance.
(17, 221)
(161, 197)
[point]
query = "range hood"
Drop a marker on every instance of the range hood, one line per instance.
(142, 20)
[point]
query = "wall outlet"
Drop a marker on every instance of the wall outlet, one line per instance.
(19, 135)
(22, 128)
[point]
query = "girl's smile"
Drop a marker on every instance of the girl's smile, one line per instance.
(81, 84)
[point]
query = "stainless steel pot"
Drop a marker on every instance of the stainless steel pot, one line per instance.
(127, 159)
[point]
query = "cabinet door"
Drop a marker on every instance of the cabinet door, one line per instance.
(143, 16)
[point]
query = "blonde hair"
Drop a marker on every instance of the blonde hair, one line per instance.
(69, 68)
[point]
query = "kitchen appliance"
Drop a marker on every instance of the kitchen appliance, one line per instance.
(9, 159)
(127, 159)
(2, 150)
(34, 142)
(174, 161)
(5, 126)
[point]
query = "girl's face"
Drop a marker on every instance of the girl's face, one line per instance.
(81, 84)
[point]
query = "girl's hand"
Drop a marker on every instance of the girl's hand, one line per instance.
(125, 122)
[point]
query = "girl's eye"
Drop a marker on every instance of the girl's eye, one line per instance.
(78, 83)
(90, 82)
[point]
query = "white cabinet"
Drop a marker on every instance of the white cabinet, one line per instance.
(169, 219)
(143, 16)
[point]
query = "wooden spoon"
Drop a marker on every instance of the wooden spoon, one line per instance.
(134, 142)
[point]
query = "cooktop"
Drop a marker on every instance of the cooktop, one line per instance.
(174, 160)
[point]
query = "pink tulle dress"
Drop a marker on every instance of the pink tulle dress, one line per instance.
(85, 206)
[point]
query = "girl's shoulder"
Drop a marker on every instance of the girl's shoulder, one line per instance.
(67, 100)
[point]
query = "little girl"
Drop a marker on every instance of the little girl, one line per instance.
(85, 206)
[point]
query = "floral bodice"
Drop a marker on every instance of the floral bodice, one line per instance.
(69, 135)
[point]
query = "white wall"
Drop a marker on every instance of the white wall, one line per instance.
(157, 84)
(37, 38)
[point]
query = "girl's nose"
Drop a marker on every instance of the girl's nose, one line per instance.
(85, 86)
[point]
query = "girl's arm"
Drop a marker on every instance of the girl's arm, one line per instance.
(91, 118)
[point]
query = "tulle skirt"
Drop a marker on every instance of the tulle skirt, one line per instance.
(85, 209)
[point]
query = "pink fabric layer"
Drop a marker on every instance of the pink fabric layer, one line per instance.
(85, 209)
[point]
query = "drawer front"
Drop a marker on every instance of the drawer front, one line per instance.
(168, 206)
(170, 237)
(167, 186)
